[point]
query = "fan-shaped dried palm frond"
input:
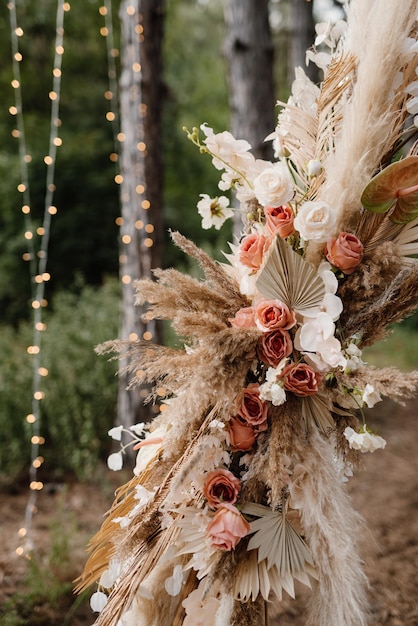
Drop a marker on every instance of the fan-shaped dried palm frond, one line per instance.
(287, 277)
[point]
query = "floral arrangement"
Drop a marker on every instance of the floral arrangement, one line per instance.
(239, 487)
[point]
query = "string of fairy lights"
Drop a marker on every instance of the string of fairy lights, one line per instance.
(37, 258)
(112, 116)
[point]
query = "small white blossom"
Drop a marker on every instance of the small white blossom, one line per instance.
(98, 601)
(214, 211)
(363, 441)
(116, 433)
(314, 168)
(174, 583)
(272, 390)
(115, 461)
(227, 152)
(370, 396)
(138, 429)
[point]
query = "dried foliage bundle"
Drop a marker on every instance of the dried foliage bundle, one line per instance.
(239, 487)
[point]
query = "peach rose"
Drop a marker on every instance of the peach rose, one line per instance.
(301, 379)
(221, 486)
(345, 252)
(252, 408)
(244, 318)
(242, 435)
(252, 249)
(279, 220)
(227, 527)
(273, 314)
(274, 346)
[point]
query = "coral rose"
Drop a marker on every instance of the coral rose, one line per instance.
(221, 486)
(252, 408)
(279, 220)
(274, 346)
(301, 379)
(252, 249)
(273, 314)
(242, 435)
(244, 318)
(227, 527)
(345, 252)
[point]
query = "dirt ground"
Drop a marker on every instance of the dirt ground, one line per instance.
(385, 492)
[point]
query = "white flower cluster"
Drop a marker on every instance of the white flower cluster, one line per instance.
(363, 441)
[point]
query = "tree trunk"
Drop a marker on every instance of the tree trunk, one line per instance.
(141, 169)
(302, 38)
(249, 54)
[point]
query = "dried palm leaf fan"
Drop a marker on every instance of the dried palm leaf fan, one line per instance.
(239, 486)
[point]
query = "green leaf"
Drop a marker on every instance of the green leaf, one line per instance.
(396, 186)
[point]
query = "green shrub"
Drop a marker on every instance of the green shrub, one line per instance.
(80, 389)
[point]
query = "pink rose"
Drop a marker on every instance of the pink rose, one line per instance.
(242, 436)
(244, 318)
(227, 527)
(221, 486)
(274, 346)
(252, 249)
(345, 252)
(279, 220)
(301, 379)
(273, 314)
(252, 408)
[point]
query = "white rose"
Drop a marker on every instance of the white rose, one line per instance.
(274, 186)
(316, 221)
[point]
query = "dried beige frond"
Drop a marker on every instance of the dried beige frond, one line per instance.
(287, 277)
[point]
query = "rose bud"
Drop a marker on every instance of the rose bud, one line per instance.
(227, 527)
(252, 249)
(345, 252)
(242, 436)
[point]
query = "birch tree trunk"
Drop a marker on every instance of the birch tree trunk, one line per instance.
(249, 55)
(141, 170)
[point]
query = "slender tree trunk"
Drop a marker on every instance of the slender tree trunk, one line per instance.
(302, 37)
(141, 187)
(249, 55)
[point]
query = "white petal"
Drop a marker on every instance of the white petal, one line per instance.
(116, 433)
(115, 461)
(98, 601)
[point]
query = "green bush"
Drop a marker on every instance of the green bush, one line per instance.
(80, 389)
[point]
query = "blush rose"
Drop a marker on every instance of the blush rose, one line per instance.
(221, 486)
(252, 249)
(227, 527)
(252, 408)
(274, 346)
(345, 252)
(273, 314)
(301, 379)
(279, 220)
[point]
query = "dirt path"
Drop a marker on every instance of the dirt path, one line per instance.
(385, 492)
